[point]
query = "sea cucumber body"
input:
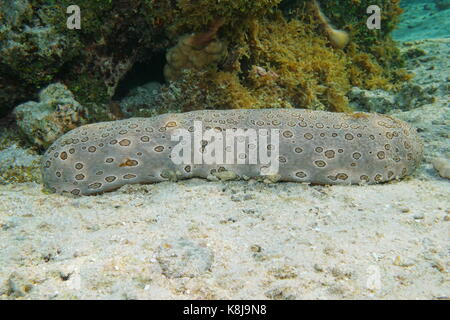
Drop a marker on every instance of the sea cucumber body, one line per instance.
(314, 146)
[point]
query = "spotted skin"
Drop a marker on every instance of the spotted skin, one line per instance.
(314, 146)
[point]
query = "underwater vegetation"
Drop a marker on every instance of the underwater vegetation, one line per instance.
(37, 49)
(284, 56)
(18, 161)
(229, 54)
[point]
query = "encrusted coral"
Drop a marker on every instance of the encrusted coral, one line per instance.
(194, 51)
(282, 64)
(18, 161)
(225, 54)
(295, 59)
(37, 49)
(56, 113)
(19, 165)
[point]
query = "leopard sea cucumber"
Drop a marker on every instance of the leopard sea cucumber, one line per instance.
(314, 146)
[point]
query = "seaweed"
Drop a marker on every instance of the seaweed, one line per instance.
(278, 52)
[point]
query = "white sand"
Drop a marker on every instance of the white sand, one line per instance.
(285, 241)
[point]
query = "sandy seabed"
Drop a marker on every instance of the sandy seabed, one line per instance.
(233, 240)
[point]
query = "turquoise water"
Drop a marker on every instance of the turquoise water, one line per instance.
(424, 19)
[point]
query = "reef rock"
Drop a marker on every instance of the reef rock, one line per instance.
(141, 101)
(189, 54)
(31, 51)
(409, 96)
(56, 113)
(19, 165)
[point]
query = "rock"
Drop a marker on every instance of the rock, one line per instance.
(442, 166)
(340, 274)
(412, 53)
(281, 293)
(31, 51)
(442, 5)
(15, 156)
(245, 197)
(272, 179)
(226, 175)
(410, 96)
(19, 165)
(318, 267)
(37, 48)
(371, 100)
(56, 113)
(141, 100)
(256, 248)
(184, 258)
(419, 216)
(284, 272)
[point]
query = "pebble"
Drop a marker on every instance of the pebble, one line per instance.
(419, 216)
(442, 166)
(318, 268)
(226, 175)
(280, 294)
(246, 197)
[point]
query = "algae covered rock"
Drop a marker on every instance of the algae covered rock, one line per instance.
(141, 101)
(286, 54)
(19, 162)
(32, 50)
(409, 96)
(37, 48)
(193, 53)
(230, 54)
(19, 165)
(56, 113)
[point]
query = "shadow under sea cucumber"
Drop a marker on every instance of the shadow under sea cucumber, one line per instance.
(314, 146)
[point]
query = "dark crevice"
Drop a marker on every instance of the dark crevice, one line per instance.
(142, 73)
